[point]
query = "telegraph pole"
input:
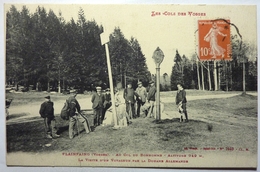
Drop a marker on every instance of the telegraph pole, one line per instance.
(158, 58)
(105, 40)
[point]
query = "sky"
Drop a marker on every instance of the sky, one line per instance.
(165, 30)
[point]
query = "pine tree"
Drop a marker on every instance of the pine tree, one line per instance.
(43, 48)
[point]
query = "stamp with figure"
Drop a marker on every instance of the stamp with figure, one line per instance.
(214, 40)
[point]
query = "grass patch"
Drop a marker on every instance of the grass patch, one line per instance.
(197, 93)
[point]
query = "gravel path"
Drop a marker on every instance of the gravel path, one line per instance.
(22, 113)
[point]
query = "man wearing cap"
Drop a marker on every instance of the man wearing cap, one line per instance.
(107, 102)
(74, 117)
(151, 98)
(181, 101)
(141, 91)
(47, 112)
(129, 94)
(97, 105)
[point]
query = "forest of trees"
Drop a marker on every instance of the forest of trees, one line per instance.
(195, 74)
(42, 48)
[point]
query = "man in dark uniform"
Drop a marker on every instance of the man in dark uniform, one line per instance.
(74, 117)
(47, 112)
(97, 105)
(181, 102)
(141, 91)
(151, 98)
(129, 94)
(107, 102)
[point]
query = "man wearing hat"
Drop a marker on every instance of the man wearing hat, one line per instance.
(141, 91)
(107, 102)
(97, 105)
(129, 94)
(74, 117)
(151, 98)
(47, 112)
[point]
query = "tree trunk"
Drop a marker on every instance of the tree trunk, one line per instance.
(16, 85)
(202, 77)
(231, 78)
(226, 74)
(59, 88)
(244, 76)
(209, 78)
(219, 78)
(48, 87)
(182, 76)
(63, 85)
(121, 72)
(215, 76)
(125, 78)
(198, 74)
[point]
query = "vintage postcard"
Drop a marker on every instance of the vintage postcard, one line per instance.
(134, 85)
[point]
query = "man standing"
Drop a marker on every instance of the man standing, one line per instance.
(151, 98)
(129, 94)
(97, 105)
(141, 91)
(74, 117)
(47, 112)
(107, 102)
(181, 102)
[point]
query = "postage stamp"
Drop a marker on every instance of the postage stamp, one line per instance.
(214, 39)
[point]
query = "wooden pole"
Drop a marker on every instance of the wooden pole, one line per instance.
(111, 85)
(158, 58)
(158, 114)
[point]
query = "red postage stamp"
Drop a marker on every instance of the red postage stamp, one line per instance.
(214, 40)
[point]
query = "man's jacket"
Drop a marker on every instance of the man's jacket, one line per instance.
(97, 100)
(181, 97)
(47, 110)
(151, 93)
(73, 106)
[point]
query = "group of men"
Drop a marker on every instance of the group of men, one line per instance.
(47, 112)
(140, 97)
(101, 102)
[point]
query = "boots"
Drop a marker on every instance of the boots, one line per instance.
(86, 126)
(181, 118)
(48, 136)
(186, 116)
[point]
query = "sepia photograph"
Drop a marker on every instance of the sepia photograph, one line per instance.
(131, 85)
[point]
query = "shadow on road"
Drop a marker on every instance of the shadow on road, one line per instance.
(62, 129)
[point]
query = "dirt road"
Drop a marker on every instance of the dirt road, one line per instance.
(22, 113)
(29, 112)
